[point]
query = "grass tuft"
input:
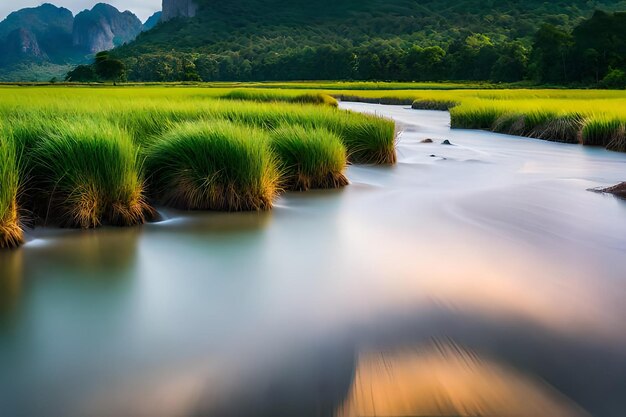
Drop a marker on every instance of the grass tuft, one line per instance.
(309, 157)
(213, 165)
(369, 139)
(11, 234)
(90, 175)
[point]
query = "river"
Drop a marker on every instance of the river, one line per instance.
(474, 278)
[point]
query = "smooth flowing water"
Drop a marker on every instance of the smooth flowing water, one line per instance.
(477, 278)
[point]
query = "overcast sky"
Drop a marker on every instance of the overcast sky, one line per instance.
(142, 8)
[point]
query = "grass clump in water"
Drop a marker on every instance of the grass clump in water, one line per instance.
(442, 105)
(91, 175)
(605, 131)
(10, 231)
(309, 157)
(369, 139)
(213, 165)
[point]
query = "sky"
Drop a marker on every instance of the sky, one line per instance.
(142, 8)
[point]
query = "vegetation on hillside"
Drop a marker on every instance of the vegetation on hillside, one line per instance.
(386, 40)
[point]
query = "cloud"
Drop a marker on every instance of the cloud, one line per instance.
(142, 8)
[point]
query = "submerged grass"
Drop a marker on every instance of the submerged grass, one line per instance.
(213, 166)
(89, 174)
(10, 231)
(309, 157)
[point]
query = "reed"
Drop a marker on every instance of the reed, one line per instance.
(213, 166)
(309, 157)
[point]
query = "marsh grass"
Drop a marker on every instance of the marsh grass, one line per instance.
(11, 234)
(605, 131)
(540, 124)
(213, 165)
(442, 105)
(90, 175)
(309, 157)
(369, 140)
(278, 96)
(475, 117)
(389, 100)
(565, 128)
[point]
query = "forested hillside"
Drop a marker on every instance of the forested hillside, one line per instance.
(375, 39)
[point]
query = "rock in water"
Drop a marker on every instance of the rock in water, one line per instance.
(446, 142)
(618, 190)
(427, 141)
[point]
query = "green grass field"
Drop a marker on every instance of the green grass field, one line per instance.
(84, 156)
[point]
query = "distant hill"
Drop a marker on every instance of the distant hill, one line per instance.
(338, 39)
(42, 42)
(152, 21)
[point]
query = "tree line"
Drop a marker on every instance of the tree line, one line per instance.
(593, 53)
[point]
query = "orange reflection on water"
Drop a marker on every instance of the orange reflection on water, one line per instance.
(445, 380)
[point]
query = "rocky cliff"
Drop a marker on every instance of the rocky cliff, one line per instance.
(178, 8)
(104, 27)
(22, 43)
(152, 21)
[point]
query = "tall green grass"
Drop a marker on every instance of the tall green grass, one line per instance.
(536, 123)
(309, 157)
(368, 139)
(10, 231)
(605, 131)
(213, 166)
(278, 96)
(90, 174)
(433, 104)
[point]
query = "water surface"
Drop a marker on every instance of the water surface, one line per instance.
(478, 278)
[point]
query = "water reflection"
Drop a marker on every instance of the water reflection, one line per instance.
(11, 275)
(90, 253)
(447, 380)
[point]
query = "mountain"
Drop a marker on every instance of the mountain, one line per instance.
(152, 21)
(103, 28)
(39, 43)
(178, 8)
(22, 43)
(43, 20)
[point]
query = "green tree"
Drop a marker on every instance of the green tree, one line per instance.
(81, 74)
(110, 69)
(551, 55)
